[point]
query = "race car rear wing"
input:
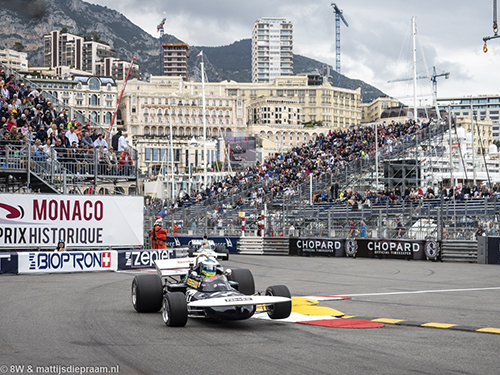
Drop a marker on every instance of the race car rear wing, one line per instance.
(173, 267)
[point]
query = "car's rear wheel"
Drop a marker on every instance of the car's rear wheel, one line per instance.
(244, 277)
(280, 310)
(222, 250)
(147, 293)
(174, 310)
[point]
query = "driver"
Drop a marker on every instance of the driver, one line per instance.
(208, 267)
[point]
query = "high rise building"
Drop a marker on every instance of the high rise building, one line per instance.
(175, 57)
(68, 50)
(272, 49)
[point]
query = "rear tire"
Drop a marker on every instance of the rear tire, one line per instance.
(147, 293)
(174, 310)
(279, 310)
(222, 250)
(245, 280)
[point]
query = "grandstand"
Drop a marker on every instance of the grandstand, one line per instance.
(24, 168)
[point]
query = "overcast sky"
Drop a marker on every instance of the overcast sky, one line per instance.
(376, 47)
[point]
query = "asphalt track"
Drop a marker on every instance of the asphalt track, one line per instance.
(88, 320)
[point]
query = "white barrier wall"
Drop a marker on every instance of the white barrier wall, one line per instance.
(67, 261)
(36, 220)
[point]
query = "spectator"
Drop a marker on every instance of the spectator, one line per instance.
(115, 138)
(111, 161)
(41, 134)
(122, 143)
(491, 231)
(71, 135)
(362, 229)
(399, 229)
(352, 229)
(100, 142)
(126, 163)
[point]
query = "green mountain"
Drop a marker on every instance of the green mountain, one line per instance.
(27, 21)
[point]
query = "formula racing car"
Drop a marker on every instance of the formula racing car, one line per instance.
(200, 286)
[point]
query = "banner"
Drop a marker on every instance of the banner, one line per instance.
(67, 261)
(229, 242)
(37, 220)
(8, 263)
(317, 246)
(386, 248)
(140, 259)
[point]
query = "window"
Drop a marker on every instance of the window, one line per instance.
(93, 99)
(108, 117)
(148, 152)
(93, 116)
(94, 84)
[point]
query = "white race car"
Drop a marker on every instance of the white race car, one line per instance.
(199, 286)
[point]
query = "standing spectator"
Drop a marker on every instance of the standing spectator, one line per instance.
(399, 229)
(291, 230)
(352, 229)
(362, 229)
(115, 138)
(122, 143)
(491, 230)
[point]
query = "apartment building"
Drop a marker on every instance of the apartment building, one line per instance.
(148, 107)
(372, 112)
(68, 50)
(13, 59)
(175, 57)
(481, 107)
(272, 49)
(94, 97)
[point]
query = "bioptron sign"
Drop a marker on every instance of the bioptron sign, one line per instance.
(81, 221)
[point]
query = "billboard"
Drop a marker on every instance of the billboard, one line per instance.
(240, 149)
(82, 221)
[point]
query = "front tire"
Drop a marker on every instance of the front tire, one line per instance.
(147, 293)
(174, 310)
(244, 277)
(280, 310)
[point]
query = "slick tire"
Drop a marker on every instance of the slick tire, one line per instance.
(279, 310)
(222, 250)
(174, 310)
(147, 293)
(244, 278)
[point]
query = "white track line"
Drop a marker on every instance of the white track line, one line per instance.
(422, 291)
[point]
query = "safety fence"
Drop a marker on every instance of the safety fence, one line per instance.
(421, 219)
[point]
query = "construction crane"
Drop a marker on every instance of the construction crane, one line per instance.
(160, 29)
(338, 16)
(495, 27)
(433, 79)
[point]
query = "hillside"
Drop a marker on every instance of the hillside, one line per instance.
(27, 21)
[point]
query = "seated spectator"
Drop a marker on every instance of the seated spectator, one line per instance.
(126, 163)
(111, 162)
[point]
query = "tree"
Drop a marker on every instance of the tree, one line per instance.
(64, 30)
(18, 46)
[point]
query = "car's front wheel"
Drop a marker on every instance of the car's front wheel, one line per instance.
(244, 277)
(280, 310)
(174, 310)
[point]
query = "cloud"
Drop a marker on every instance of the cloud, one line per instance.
(376, 47)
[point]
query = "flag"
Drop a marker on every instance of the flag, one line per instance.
(200, 54)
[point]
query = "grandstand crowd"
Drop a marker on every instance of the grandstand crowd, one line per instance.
(283, 174)
(31, 125)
